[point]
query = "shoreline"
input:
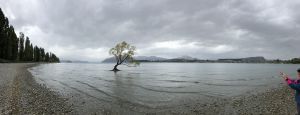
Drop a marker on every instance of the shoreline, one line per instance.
(21, 94)
(270, 101)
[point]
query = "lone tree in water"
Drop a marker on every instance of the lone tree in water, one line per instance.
(123, 53)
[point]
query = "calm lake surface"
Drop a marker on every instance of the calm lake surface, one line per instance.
(155, 86)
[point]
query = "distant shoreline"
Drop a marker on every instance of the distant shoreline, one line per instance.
(188, 59)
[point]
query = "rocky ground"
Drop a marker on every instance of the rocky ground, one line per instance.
(277, 101)
(21, 95)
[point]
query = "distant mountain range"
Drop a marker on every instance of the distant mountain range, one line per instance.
(73, 61)
(140, 58)
(258, 59)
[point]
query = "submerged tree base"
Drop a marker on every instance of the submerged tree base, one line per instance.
(115, 70)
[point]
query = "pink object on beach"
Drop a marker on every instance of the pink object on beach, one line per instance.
(289, 81)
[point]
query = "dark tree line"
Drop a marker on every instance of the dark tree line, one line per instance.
(294, 61)
(15, 48)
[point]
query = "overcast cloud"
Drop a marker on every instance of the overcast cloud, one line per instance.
(205, 29)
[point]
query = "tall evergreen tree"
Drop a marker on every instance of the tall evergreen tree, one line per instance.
(14, 44)
(27, 50)
(8, 52)
(37, 54)
(21, 47)
(2, 33)
(15, 47)
(47, 57)
(34, 53)
(7, 45)
(53, 58)
(42, 53)
(50, 57)
(31, 53)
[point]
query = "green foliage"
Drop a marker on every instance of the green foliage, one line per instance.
(42, 54)
(123, 52)
(14, 43)
(36, 54)
(2, 34)
(295, 61)
(27, 50)
(21, 47)
(53, 58)
(47, 57)
(13, 48)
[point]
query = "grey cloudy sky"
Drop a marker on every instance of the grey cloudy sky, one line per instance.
(206, 29)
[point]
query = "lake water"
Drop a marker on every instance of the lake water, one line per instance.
(154, 86)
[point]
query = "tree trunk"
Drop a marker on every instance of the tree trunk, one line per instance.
(115, 68)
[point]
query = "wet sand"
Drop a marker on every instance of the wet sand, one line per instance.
(20, 94)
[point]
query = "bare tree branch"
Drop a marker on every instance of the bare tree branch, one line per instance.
(124, 59)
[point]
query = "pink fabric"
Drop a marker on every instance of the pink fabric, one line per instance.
(289, 81)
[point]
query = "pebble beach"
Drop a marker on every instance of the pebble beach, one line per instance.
(21, 94)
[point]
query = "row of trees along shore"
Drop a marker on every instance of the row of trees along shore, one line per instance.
(19, 49)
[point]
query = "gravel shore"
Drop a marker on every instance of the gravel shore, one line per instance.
(20, 94)
(275, 101)
(271, 101)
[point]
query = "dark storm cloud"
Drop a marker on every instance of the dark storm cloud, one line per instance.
(200, 28)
